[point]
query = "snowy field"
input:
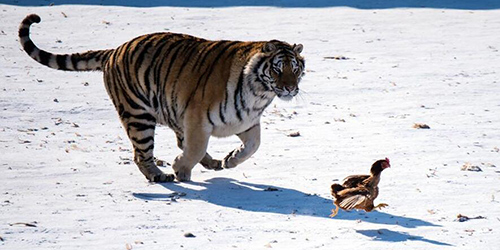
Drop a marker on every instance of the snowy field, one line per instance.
(374, 70)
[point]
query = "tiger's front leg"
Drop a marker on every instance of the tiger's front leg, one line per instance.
(194, 146)
(207, 162)
(251, 142)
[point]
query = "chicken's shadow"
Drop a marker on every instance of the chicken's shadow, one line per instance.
(393, 236)
(252, 197)
(379, 217)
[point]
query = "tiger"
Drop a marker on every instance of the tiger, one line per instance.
(198, 88)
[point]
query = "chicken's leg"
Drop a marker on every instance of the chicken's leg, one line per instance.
(334, 211)
(381, 205)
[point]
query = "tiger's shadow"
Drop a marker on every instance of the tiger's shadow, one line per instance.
(252, 197)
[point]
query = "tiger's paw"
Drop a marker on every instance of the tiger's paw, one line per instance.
(183, 175)
(162, 178)
(228, 161)
(213, 165)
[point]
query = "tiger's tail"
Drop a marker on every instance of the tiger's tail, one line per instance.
(87, 61)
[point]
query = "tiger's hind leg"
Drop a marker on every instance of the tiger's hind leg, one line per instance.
(140, 130)
(251, 142)
(138, 122)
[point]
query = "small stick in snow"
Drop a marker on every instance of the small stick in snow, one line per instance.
(161, 163)
(189, 235)
(23, 223)
(462, 218)
(469, 167)
(336, 57)
(421, 126)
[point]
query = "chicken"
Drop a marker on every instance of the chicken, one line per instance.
(359, 191)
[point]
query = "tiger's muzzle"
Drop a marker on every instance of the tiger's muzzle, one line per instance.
(286, 93)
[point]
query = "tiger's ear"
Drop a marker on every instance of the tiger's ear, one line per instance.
(298, 48)
(268, 47)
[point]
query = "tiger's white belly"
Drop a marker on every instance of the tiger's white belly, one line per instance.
(233, 128)
(238, 116)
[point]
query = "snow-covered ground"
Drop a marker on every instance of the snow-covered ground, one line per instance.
(66, 165)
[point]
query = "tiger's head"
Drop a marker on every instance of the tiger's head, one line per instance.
(282, 69)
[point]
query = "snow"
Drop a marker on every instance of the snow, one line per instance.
(66, 162)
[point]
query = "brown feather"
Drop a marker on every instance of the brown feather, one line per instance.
(359, 191)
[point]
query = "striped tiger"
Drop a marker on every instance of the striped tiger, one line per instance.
(198, 88)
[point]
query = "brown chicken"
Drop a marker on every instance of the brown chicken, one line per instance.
(359, 191)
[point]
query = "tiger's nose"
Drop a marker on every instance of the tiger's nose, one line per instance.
(290, 88)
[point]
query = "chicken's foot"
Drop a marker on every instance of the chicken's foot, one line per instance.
(381, 205)
(334, 211)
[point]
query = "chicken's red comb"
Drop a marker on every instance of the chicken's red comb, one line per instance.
(387, 160)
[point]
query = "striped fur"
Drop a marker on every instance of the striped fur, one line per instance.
(198, 88)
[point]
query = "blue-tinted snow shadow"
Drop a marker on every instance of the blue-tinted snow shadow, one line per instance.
(254, 198)
(393, 236)
(359, 4)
